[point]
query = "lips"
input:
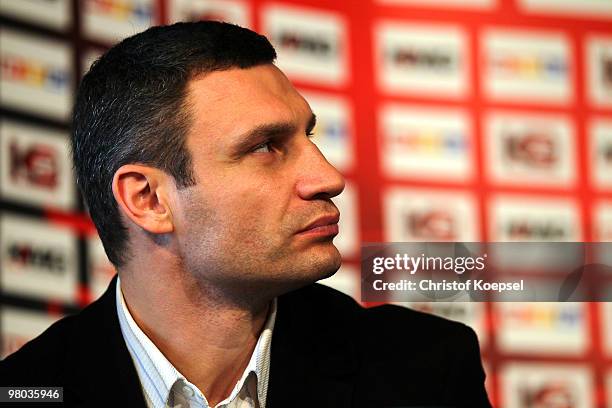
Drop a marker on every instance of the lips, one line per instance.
(325, 225)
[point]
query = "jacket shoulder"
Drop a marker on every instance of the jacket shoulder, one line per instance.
(386, 320)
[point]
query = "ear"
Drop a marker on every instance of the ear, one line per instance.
(142, 193)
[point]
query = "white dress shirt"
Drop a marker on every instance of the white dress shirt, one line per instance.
(164, 386)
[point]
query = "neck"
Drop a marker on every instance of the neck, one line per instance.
(207, 337)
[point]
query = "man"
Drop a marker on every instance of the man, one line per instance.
(193, 153)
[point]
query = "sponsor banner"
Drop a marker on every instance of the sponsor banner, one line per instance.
(231, 11)
(346, 280)
(38, 259)
(461, 271)
(100, 269)
(533, 219)
(420, 215)
(311, 45)
(333, 133)
(36, 166)
(526, 66)
(49, 13)
(20, 326)
(469, 4)
(423, 143)
(595, 8)
(542, 328)
(530, 149)
(109, 21)
(546, 385)
(606, 327)
(471, 314)
(422, 59)
(601, 153)
(599, 69)
(35, 74)
(347, 240)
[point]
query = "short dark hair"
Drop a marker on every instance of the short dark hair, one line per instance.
(130, 108)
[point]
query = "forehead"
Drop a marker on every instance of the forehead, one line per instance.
(236, 100)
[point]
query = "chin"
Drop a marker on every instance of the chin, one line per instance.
(326, 263)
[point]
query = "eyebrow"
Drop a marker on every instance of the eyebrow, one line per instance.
(270, 131)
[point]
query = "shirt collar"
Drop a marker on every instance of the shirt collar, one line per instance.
(157, 375)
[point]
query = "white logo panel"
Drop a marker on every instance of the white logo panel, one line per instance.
(38, 259)
(36, 74)
(426, 143)
(311, 45)
(112, 20)
(595, 8)
(530, 150)
(542, 328)
(418, 215)
(526, 66)
(36, 166)
(546, 385)
(531, 219)
(54, 14)
(421, 59)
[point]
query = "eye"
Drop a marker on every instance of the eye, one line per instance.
(263, 148)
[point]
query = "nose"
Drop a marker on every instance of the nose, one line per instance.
(318, 179)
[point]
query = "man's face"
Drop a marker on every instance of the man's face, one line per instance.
(260, 215)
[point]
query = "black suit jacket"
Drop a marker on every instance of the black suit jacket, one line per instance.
(327, 351)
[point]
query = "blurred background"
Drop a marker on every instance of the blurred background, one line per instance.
(452, 120)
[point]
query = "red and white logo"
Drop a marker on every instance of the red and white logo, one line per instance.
(530, 150)
(546, 385)
(35, 166)
(415, 215)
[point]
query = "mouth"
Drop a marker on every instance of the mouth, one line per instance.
(326, 225)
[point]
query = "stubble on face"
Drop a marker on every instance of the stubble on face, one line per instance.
(231, 255)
